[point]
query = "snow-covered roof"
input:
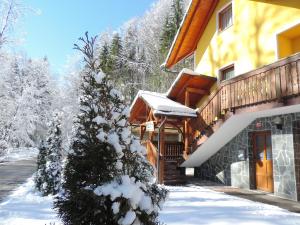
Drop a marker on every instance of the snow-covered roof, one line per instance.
(182, 72)
(162, 105)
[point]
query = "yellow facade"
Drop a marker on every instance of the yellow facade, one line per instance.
(262, 32)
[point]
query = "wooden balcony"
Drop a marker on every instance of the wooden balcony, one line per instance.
(277, 82)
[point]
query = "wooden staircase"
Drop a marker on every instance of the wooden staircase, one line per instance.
(173, 174)
(170, 159)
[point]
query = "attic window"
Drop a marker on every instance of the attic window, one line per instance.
(225, 18)
(227, 73)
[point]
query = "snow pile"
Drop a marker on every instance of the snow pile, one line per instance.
(196, 205)
(163, 105)
(15, 154)
(26, 207)
(130, 189)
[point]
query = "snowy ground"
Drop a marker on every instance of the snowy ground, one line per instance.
(15, 154)
(26, 207)
(186, 206)
(196, 205)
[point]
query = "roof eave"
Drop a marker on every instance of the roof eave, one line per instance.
(172, 57)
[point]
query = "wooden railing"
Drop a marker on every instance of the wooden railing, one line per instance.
(173, 150)
(152, 152)
(275, 82)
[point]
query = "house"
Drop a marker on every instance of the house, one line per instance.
(245, 90)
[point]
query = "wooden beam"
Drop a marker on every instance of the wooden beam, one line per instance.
(176, 126)
(187, 99)
(186, 138)
(197, 91)
(142, 132)
(183, 89)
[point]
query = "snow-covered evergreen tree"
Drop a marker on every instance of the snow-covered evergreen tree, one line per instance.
(54, 157)
(107, 178)
(40, 175)
(48, 176)
(171, 26)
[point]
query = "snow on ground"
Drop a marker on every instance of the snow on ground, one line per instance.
(185, 206)
(26, 207)
(199, 206)
(15, 154)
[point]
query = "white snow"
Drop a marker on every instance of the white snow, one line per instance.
(116, 207)
(100, 120)
(186, 206)
(196, 205)
(26, 207)
(129, 189)
(163, 105)
(15, 154)
(99, 77)
(128, 219)
(114, 140)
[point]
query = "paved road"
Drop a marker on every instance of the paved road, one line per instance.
(12, 174)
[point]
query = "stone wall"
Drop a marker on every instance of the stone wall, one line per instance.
(234, 165)
(296, 139)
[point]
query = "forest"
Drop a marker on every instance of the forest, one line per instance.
(30, 93)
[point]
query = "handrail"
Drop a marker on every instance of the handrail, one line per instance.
(277, 81)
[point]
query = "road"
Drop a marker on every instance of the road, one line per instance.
(13, 174)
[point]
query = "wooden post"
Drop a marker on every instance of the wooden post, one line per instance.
(162, 153)
(186, 126)
(142, 132)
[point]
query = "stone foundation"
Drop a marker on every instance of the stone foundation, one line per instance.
(234, 165)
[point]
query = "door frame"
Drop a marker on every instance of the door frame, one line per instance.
(253, 135)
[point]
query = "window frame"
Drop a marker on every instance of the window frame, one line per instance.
(223, 69)
(219, 17)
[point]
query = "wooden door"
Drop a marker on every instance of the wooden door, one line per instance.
(263, 161)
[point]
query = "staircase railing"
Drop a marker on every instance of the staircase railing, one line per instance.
(173, 150)
(275, 82)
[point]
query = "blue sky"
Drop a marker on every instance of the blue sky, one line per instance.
(53, 32)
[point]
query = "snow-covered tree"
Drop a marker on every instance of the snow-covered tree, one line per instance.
(10, 10)
(107, 178)
(49, 164)
(171, 25)
(26, 96)
(141, 46)
(40, 175)
(67, 98)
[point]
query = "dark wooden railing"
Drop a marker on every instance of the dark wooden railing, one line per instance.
(173, 150)
(274, 82)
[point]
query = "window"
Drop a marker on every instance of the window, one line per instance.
(225, 18)
(227, 73)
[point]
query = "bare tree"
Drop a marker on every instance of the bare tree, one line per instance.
(10, 10)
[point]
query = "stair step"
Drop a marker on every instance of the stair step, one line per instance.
(170, 173)
(174, 182)
(170, 176)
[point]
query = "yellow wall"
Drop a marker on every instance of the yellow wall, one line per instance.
(288, 42)
(252, 40)
(296, 44)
